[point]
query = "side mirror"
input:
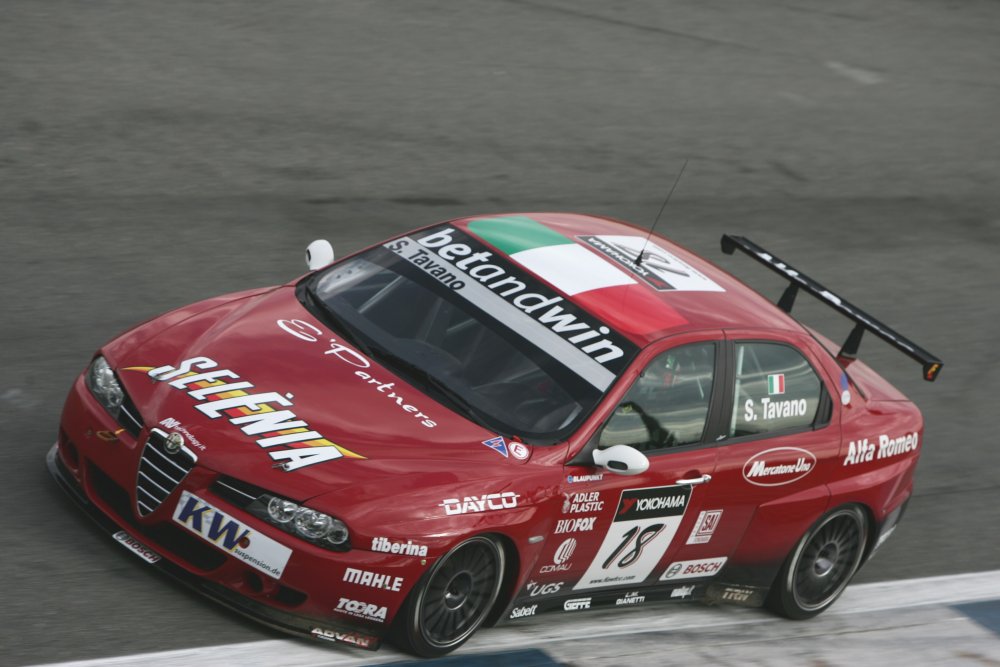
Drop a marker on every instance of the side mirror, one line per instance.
(319, 253)
(621, 459)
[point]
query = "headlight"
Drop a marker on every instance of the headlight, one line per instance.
(316, 527)
(104, 385)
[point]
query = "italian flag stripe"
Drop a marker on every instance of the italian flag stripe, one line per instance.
(558, 260)
(776, 384)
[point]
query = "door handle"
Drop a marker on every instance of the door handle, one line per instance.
(696, 480)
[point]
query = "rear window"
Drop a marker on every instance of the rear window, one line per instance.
(776, 390)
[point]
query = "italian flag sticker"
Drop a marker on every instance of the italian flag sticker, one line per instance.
(776, 384)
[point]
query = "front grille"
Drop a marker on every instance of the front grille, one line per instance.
(129, 417)
(160, 471)
(236, 491)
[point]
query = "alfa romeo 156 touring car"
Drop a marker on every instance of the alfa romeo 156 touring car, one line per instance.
(490, 418)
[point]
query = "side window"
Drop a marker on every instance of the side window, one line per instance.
(776, 389)
(668, 404)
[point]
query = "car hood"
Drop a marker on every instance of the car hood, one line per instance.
(302, 411)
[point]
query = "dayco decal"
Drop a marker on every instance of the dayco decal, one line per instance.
(308, 332)
(373, 579)
(534, 590)
(577, 604)
(863, 451)
(689, 569)
(354, 638)
(522, 612)
(473, 504)
(576, 503)
(575, 525)
(408, 548)
(781, 465)
(365, 610)
(519, 301)
(560, 561)
(289, 440)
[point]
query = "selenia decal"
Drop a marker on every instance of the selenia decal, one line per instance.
(288, 439)
(643, 528)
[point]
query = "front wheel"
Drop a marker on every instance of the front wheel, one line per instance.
(453, 599)
(821, 565)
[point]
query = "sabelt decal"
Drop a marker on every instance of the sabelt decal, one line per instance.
(781, 465)
(310, 333)
(523, 612)
(644, 526)
(863, 451)
(519, 301)
(691, 569)
(137, 547)
(288, 440)
(231, 535)
(659, 269)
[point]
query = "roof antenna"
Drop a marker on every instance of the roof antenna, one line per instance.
(638, 258)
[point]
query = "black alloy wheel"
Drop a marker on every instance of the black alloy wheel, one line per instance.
(822, 564)
(454, 598)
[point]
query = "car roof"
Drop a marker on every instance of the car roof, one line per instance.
(591, 261)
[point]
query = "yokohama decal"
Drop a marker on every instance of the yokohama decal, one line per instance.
(644, 526)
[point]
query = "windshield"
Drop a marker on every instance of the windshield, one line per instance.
(473, 351)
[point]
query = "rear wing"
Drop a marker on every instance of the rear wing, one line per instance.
(862, 320)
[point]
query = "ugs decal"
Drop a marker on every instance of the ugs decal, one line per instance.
(288, 439)
(778, 466)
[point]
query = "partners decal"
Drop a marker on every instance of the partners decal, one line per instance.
(287, 439)
(643, 528)
(519, 301)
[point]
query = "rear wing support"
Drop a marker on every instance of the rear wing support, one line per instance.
(862, 321)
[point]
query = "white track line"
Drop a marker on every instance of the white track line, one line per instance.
(859, 599)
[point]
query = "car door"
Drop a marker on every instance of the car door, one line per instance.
(616, 531)
(778, 448)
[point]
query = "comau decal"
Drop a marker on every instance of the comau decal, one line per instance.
(643, 528)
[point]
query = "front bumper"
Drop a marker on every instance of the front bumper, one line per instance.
(292, 623)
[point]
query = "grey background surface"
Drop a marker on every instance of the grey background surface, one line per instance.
(152, 154)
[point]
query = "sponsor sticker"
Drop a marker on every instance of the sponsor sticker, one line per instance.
(371, 579)
(691, 569)
(644, 526)
(523, 612)
(363, 610)
(485, 503)
(577, 503)
(705, 527)
(535, 589)
(630, 599)
(231, 535)
(660, 269)
(580, 525)
(497, 444)
(353, 638)
(778, 466)
(576, 604)
(682, 592)
(519, 450)
(577, 479)
(137, 547)
(863, 451)
(407, 548)
(560, 560)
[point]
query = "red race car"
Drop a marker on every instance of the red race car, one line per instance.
(490, 418)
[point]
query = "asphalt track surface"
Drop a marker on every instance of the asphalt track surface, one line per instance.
(152, 154)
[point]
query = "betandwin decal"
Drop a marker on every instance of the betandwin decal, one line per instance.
(521, 302)
(644, 526)
(222, 394)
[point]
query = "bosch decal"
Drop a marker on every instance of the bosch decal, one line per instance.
(691, 569)
(137, 547)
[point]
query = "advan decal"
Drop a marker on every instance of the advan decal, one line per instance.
(644, 526)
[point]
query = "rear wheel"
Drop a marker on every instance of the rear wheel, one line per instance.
(453, 599)
(821, 565)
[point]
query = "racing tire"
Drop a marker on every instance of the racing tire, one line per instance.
(821, 565)
(452, 600)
